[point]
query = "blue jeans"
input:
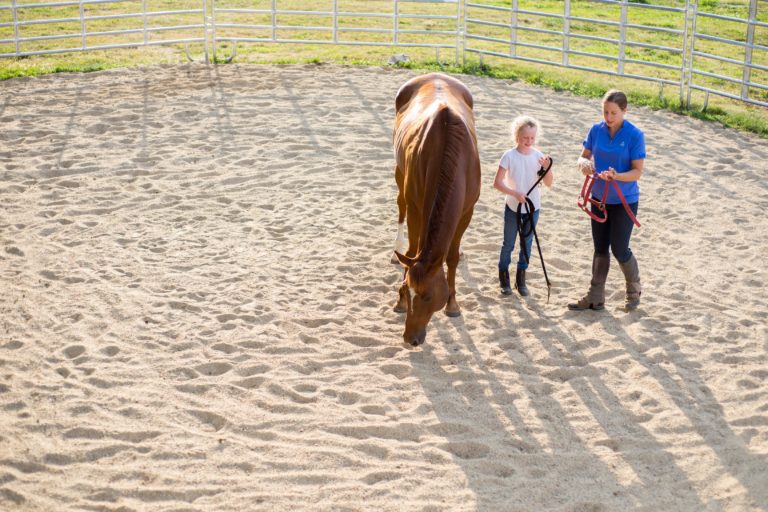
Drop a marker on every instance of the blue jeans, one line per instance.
(510, 236)
(615, 232)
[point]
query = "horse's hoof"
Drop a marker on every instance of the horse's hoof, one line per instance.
(393, 260)
(453, 313)
(399, 309)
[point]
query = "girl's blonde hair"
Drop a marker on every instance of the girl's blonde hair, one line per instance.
(521, 122)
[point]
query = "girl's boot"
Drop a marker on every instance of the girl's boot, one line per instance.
(506, 288)
(520, 282)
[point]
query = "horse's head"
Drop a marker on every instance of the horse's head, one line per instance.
(424, 290)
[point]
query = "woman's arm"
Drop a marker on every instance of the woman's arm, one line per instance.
(585, 164)
(633, 174)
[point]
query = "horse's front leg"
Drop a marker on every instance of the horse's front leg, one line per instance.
(402, 300)
(401, 243)
(452, 309)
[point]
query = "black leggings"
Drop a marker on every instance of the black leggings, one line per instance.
(615, 232)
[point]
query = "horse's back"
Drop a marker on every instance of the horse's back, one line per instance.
(430, 87)
(420, 102)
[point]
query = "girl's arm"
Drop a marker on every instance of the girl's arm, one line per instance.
(548, 179)
(546, 161)
(498, 184)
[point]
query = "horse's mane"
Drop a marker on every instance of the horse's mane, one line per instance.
(441, 178)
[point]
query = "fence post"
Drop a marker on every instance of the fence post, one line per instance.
(747, 73)
(464, 32)
(513, 29)
(692, 8)
(335, 21)
(622, 36)
(205, 30)
(458, 32)
(274, 21)
(15, 27)
(214, 43)
(395, 23)
(684, 54)
(566, 31)
(81, 10)
(144, 21)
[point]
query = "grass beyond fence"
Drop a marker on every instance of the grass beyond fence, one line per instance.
(730, 113)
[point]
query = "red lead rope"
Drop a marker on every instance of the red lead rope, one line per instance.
(585, 199)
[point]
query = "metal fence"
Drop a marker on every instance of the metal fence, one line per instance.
(670, 42)
(710, 66)
(39, 28)
(370, 23)
(671, 45)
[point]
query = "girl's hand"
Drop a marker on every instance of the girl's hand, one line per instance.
(545, 161)
(608, 175)
(520, 197)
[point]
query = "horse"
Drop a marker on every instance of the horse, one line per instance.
(437, 170)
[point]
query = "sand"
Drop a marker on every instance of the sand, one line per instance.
(197, 312)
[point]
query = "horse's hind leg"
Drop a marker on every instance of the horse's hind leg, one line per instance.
(452, 309)
(401, 244)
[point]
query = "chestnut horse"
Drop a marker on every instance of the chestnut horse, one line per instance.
(437, 169)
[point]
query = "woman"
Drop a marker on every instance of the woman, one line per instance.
(616, 149)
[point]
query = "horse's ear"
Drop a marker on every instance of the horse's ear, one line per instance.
(405, 261)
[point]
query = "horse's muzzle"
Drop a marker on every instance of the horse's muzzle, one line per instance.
(415, 338)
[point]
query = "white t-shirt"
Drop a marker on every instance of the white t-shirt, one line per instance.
(521, 175)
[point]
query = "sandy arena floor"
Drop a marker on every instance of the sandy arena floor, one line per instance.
(196, 309)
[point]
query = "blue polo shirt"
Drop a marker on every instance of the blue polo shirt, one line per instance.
(618, 152)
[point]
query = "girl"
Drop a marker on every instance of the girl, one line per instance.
(517, 172)
(618, 149)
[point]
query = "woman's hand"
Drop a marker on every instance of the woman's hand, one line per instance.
(608, 175)
(585, 166)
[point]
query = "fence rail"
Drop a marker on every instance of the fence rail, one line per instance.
(75, 14)
(668, 42)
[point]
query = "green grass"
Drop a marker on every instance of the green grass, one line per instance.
(734, 114)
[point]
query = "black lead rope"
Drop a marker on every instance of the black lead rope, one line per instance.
(525, 228)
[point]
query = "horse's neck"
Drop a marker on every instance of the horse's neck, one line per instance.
(441, 218)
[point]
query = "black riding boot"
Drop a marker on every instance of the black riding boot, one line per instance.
(520, 282)
(506, 288)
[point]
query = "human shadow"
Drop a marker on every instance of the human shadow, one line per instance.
(694, 398)
(299, 111)
(463, 389)
(5, 104)
(59, 169)
(365, 102)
